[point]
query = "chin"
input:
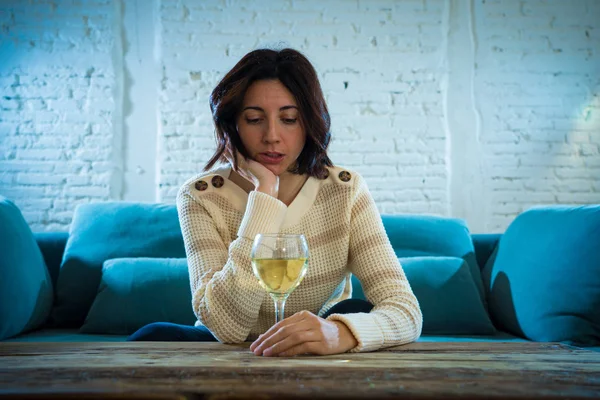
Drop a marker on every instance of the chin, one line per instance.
(276, 169)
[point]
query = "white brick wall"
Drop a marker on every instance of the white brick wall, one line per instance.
(379, 67)
(57, 110)
(538, 91)
(471, 109)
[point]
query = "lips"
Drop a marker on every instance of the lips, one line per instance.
(271, 157)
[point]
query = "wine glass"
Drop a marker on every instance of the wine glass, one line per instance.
(279, 262)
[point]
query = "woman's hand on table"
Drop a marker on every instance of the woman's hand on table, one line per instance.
(304, 333)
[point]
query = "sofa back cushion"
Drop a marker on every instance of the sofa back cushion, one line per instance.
(544, 279)
(102, 231)
(485, 244)
(427, 235)
(134, 292)
(25, 285)
(447, 295)
(52, 246)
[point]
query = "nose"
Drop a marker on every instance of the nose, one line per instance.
(271, 134)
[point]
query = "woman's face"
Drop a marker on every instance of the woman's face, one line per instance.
(269, 125)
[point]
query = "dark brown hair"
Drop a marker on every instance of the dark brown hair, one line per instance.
(298, 75)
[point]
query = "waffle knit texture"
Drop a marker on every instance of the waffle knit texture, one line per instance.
(345, 235)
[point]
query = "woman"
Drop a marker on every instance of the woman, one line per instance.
(272, 127)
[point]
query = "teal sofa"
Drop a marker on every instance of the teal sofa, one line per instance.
(123, 265)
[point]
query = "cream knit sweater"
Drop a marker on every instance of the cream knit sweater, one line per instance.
(345, 235)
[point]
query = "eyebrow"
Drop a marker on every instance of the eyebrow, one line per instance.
(260, 109)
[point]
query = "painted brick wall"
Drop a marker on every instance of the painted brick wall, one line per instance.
(58, 134)
(538, 92)
(470, 109)
(378, 65)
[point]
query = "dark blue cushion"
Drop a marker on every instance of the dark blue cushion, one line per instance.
(447, 295)
(25, 285)
(428, 235)
(102, 231)
(544, 280)
(134, 292)
(52, 246)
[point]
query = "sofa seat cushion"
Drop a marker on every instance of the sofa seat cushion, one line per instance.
(496, 337)
(447, 295)
(134, 292)
(64, 335)
(101, 231)
(74, 335)
(544, 279)
(25, 284)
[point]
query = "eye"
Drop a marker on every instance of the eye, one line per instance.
(290, 121)
(252, 121)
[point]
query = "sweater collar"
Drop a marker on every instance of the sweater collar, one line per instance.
(295, 211)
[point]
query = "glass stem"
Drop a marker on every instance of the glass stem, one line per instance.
(279, 306)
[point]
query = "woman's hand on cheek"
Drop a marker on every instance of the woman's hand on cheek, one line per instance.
(304, 333)
(260, 176)
(265, 181)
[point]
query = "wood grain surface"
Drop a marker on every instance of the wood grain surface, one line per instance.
(168, 370)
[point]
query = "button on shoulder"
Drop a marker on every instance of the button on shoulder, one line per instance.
(200, 185)
(345, 176)
(341, 175)
(218, 181)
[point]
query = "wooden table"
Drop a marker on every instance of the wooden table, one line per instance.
(163, 370)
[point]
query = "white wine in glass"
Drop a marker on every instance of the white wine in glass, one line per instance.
(279, 262)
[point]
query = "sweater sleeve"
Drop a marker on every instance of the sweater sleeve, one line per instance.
(226, 297)
(396, 317)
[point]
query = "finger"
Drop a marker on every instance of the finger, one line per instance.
(272, 330)
(253, 168)
(281, 334)
(269, 339)
(293, 340)
(229, 155)
(299, 322)
(303, 348)
(260, 339)
(257, 340)
(243, 168)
